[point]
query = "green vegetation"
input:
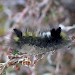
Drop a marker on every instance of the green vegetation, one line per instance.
(14, 51)
(1, 30)
(1, 7)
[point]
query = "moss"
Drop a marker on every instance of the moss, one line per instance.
(1, 30)
(1, 7)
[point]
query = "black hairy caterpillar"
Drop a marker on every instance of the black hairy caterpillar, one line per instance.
(54, 38)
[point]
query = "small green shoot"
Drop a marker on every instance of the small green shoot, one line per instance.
(14, 52)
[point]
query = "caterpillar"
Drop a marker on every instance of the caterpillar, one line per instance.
(46, 39)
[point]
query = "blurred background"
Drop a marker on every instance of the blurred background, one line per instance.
(37, 16)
